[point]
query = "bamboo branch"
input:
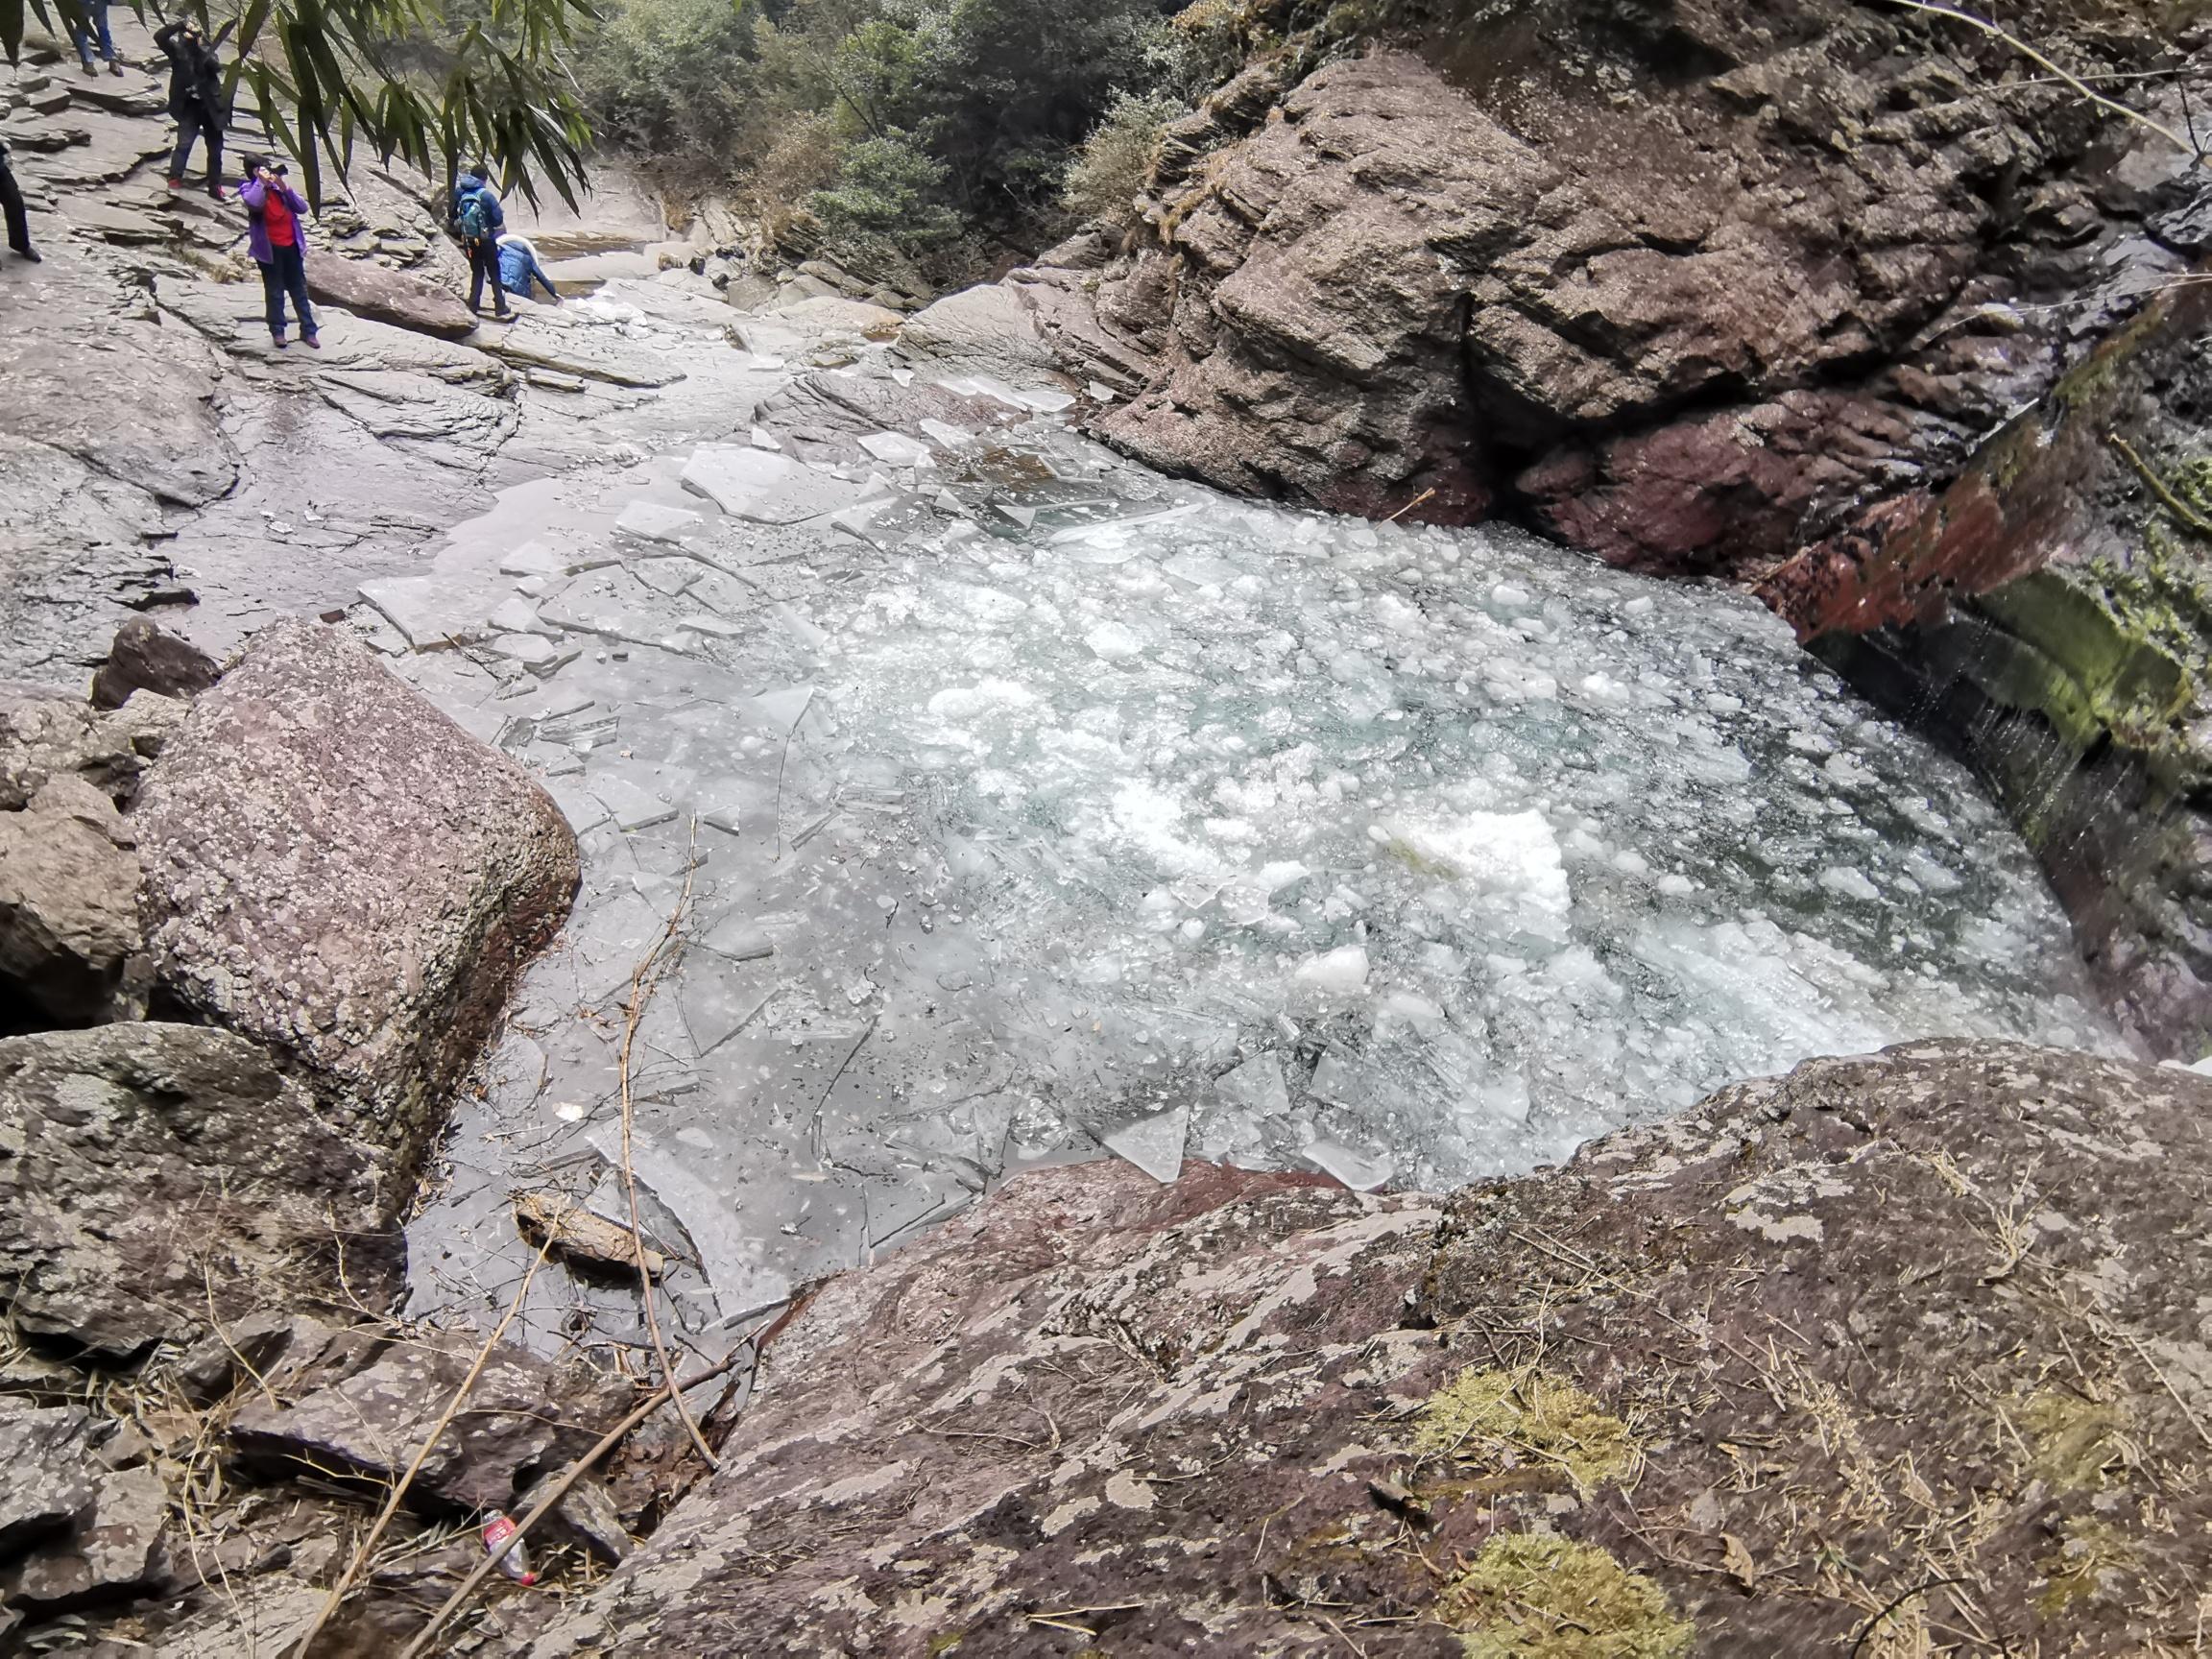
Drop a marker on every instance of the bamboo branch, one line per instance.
(643, 982)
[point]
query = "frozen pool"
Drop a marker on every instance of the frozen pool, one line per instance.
(1035, 805)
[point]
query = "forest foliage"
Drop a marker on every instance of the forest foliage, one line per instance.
(911, 138)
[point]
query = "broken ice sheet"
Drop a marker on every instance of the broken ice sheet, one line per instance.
(1362, 1172)
(1154, 1144)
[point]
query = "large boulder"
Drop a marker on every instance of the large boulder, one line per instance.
(154, 1178)
(68, 904)
(1913, 1340)
(1687, 285)
(336, 869)
(384, 294)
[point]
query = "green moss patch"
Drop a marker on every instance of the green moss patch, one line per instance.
(1534, 1596)
(1483, 1414)
(2074, 1442)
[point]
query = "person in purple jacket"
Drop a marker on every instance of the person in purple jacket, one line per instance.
(276, 234)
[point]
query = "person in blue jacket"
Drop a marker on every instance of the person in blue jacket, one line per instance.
(478, 221)
(519, 269)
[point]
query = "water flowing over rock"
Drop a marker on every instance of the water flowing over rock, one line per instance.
(335, 869)
(1236, 1415)
(159, 1177)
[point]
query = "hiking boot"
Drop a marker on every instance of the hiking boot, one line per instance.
(29, 255)
(91, 69)
(116, 67)
(313, 341)
(175, 183)
(280, 342)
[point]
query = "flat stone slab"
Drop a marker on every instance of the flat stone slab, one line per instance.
(654, 523)
(766, 487)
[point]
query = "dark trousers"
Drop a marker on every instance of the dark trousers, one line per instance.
(287, 272)
(12, 205)
(482, 267)
(192, 126)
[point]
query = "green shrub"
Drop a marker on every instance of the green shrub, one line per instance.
(1116, 159)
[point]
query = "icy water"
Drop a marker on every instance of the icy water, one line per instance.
(1033, 806)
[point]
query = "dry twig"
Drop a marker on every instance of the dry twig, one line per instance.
(643, 979)
(670, 1389)
(1997, 33)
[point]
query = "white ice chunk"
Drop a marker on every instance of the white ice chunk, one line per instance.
(896, 449)
(944, 434)
(1514, 854)
(1850, 885)
(1155, 1143)
(1357, 1171)
(654, 523)
(765, 488)
(1114, 642)
(1338, 972)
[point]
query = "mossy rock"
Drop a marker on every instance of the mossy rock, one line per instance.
(1536, 1596)
(1483, 1414)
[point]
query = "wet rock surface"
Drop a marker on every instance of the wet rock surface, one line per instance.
(1789, 1367)
(161, 1177)
(335, 869)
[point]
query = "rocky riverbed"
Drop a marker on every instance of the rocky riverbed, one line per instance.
(941, 794)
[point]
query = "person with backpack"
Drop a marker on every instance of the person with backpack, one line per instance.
(196, 101)
(12, 209)
(478, 221)
(276, 235)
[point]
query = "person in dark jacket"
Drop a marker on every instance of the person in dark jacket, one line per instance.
(276, 235)
(478, 221)
(12, 210)
(196, 99)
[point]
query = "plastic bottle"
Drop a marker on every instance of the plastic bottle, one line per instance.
(514, 1563)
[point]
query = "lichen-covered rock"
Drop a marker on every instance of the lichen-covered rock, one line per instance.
(337, 870)
(51, 736)
(68, 904)
(77, 1526)
(1911, 1343)
(145, 658)
(156, 1177)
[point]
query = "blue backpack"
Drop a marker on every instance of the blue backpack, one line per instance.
(472, 222)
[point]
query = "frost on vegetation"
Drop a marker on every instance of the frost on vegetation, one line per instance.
(1537, 1595)
(1487, 1415)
